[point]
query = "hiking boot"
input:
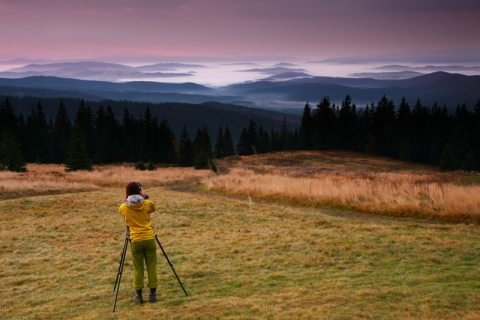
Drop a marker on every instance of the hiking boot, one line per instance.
(137, 298)
(153, 295)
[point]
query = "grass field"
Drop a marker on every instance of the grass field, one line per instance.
(353, 181)
(239, 256)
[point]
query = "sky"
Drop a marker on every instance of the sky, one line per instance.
(227, 29)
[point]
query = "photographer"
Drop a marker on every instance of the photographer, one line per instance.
(136, 210)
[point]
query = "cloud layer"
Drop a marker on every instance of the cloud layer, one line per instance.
(306, 29)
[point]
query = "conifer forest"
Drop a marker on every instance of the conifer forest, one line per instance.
(430, 135)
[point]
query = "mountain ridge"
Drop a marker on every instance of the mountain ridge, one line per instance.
(443, 88)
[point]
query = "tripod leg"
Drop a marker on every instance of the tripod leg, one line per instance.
(171, 266)
(120, 265)
(116, 287)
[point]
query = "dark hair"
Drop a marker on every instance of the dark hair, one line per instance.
(133, 188)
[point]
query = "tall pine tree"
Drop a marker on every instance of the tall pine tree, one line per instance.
(186, 153)
(77, 156)
(62, 133)
(203, 150)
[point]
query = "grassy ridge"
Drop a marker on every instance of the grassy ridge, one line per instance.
(238, 259)
(353, 181)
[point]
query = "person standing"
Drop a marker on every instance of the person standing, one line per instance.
(136, 210)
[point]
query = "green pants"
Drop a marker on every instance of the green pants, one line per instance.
(144, 251)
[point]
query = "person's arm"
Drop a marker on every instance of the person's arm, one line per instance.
(121, 211)
(151, 205)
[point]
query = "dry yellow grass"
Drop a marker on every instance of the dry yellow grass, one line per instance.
(353, 185)
(53, 179)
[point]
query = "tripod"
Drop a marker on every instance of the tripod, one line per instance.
(120, 267)
(122, 262)
(171, 265)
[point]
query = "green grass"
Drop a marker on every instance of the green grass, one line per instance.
(60, 253)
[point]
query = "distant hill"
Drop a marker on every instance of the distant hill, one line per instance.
(392, 75)
(56, 83)
(276, 93)
(96, 70)
(441, 87)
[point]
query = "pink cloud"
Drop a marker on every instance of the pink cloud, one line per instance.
(302, 28)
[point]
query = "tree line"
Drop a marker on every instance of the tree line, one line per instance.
(421, 134)
(95, 137)
(100, 137)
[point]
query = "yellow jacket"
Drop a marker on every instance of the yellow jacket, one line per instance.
(136, 212)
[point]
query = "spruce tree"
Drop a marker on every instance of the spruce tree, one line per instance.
(203, 150)
(77, 156)
(100, 155)
(383, 127)
(129, 137)
(11, 128)
(306, 128)
(39, 147)
(10, 152)
(405, 130)
(186, 154)
(476, 133)
(229, 150)
(111, 139)
(253, 137)
(346, 124)
(420, 125)
(148, 142)
(85, 123)
(8, 119)
(364, 134)
(167, 145)
(220, 144)
(62, 133)
(324, 122)
(243, 144)
(264, 144)
(439, 124)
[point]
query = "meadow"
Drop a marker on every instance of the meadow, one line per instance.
(241, 254)
(353, 181)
